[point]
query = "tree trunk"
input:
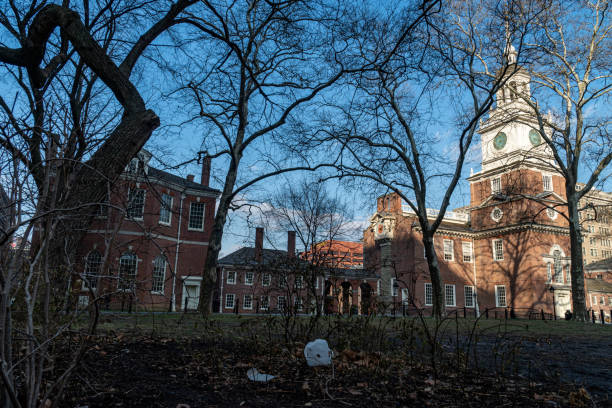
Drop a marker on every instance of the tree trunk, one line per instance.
(434, 272)
(209, 277)
(577, 271)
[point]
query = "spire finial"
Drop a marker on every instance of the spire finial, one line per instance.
(510, 51)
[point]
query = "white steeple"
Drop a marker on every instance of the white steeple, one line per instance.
(511, 133)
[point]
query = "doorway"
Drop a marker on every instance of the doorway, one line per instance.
(562, 302)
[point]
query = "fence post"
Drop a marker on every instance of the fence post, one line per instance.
(593, 316)
(603, 320)
(542, 313)
(506, 314)
(487, 313)
(130, 304)
(464, 312)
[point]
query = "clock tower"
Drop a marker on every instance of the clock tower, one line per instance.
(517, 202)
(511, 134)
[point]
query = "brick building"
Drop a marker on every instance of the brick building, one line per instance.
(336, 253)
(260, 280)
(147, 245)
(596, 222)
(509, 248)
(598, 285)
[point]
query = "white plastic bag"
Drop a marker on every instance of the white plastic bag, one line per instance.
(317, 353)
(254, 375)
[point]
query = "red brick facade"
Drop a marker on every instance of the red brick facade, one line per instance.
(259, 280)
(142, 255)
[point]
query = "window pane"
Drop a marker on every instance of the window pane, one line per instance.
(136, 199)
(196, 216)
(428, 294)
(500, 296)
(127, 271)
(248, 302)
(92, 269)
(448, 250)
(159, 274)
(248, 278)
(229, 301)
(165, 208)
(449, 295)
(498, 249)
(467, 251)
(469, 296)
(281, 304)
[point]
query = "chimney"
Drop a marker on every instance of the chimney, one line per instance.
(190, 177)
(291, 244)
(259, 236)
(205, 171)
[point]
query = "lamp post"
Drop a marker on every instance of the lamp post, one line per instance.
(552, 290)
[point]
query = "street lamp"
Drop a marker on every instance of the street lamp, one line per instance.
(552, 290)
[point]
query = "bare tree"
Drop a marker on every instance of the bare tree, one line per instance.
(387, 137)
(253, 73)
(571, 88)
(250, 70)
(61, 149)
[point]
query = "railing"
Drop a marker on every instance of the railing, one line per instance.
(433, 213)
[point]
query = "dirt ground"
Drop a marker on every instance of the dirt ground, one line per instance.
(140, 371)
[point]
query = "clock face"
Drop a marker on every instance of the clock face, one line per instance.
(534, 137)
(499, 141)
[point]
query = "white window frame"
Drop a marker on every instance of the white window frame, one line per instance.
(394, 290)
(129, 206)
(247, 305)
(498, 255)
(120, 282)
(547, 182)
(191, 214)
(449, 256)
(163, 274)
(231, 281)
(496, 189)
(548, 272)
(266, 303)
(497, 296)
(92, 270)
(248, 281)
(266, 279)
(165, 207)
(281, 303)
(471, 296)
(467, 251)
(428, 294)
(593, 300)
(298, 304)
(229, 296)
(557, 267)
(447, 293)
(299, 282)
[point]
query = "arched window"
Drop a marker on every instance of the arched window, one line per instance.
(159, 274)
(92, 269)
(558, 268)
(127, 271)
(513, 94)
